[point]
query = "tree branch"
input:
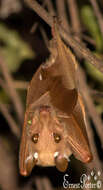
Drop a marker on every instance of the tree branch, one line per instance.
(90, 105)
(98, 14)
(12, 91)
(10, 120)
(78, 46)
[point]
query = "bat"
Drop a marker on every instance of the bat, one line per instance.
(54, 123)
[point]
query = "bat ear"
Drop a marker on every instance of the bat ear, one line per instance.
(61, 163)
(27, 157)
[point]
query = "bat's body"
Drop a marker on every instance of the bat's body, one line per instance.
(54, 125)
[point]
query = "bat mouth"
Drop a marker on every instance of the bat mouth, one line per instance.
(46, 159)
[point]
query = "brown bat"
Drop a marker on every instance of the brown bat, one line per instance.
(54, 125)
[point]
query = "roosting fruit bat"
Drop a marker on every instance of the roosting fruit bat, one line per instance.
(54, 124)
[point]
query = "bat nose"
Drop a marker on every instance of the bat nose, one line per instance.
(44, 115)
(45, 108)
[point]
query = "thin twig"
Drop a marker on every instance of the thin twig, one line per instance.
(96, 93)
(46, 183)
(4, 85)
(10, 120)
(21, 85)
(13, 93)
(38, 183)
(98, 14)
(88, 39)
(78, 46)
(34, 27)
(75, 21)
(60, 4)
(90, 105)
(45, 38)
(50, 7)
(43, 183)
(8, 171)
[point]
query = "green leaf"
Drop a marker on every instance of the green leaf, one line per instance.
(93, 72)
(15, 50)
(90, 21)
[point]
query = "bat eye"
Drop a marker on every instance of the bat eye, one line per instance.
(29, 122)
(57, 137)
(35, 138)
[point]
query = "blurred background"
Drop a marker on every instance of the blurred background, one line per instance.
(24, 40)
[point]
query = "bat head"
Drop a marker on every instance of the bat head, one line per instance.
(45, 143)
